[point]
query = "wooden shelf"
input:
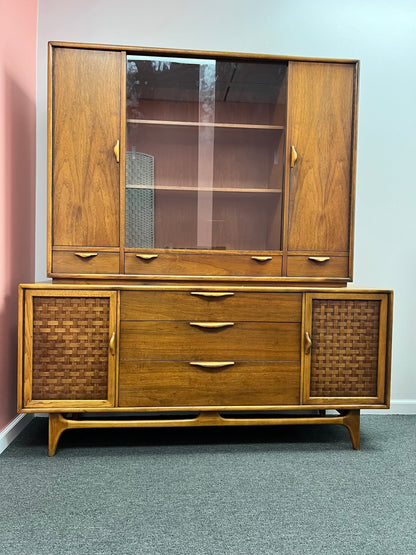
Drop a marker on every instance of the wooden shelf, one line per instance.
(213, 189)
(207, 124)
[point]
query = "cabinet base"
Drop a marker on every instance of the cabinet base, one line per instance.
(58, 423)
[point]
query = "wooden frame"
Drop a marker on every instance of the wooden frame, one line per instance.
(160, 359)
(74, 414)
(58, 423)
(25, 359)
(336, 273)
(113, 291)
(384, 340)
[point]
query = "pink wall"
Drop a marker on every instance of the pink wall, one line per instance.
(18, 23)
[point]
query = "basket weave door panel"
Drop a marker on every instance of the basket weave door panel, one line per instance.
(344, 358)
(70, 348)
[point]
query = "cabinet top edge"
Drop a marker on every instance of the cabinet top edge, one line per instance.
(242, 289)
(198, 53)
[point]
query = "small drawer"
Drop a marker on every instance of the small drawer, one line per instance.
(317, 266)
(181, 384)
(211, 305)
(216, 264)
(85, 262)
(198, 341)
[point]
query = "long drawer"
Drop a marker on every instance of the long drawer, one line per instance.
(183, 264)
(193, 341)
(165, 384)
(211, 305)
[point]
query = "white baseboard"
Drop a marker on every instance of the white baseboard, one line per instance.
(11, 431)
(402, 406)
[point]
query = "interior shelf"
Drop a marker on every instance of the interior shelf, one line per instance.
(206, 189)
(206, 124)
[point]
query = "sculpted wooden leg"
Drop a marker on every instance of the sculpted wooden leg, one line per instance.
(57, 424)
(352, 422)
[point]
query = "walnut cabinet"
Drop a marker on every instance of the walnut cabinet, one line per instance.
(182, 165)
(204, 356)
(200, 238)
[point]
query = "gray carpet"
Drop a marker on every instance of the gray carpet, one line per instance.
(234, 491)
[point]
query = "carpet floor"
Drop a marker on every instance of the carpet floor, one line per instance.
(212, 491)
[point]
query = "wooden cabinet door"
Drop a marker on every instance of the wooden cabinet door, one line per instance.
(346, 347)
(67, 349)
(321, 106)
(85, 127)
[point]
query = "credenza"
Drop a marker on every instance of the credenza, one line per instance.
(202, 356)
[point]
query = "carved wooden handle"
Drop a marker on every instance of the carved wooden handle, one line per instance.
(308, 343)
(293, 156)
(211, 294)
(319, 258)
(211, 325)
(86, 254)
(261, 258)
(147, 256)
(212, 364)
(117, 151)
(112, 344)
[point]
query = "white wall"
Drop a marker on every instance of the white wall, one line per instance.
(381, 33)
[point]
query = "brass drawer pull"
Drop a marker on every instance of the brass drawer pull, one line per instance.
(212, 365)
(261, 258)
(211, 294)
(112, 344)
(319, 258)
(147, 256)
(308, 343)
(211, 325)
(86, 254)
(293, 156)
(117, 151)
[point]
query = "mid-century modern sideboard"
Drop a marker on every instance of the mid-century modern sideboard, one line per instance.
(200, 242)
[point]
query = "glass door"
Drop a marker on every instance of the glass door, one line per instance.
(204, 153)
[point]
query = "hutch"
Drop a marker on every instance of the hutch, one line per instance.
(200, 238)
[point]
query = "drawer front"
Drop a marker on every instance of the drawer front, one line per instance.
(317, 266)
(184, 341)
(174, 384)
(85, 262)
(211, 305)
(181, 264)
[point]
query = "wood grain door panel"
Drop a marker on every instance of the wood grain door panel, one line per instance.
(85, 128)
(321, 107)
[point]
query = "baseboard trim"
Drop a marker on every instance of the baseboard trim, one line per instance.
(12, 430)
(402, 406)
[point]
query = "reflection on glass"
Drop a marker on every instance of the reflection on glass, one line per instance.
(206, 153)
(212, 132)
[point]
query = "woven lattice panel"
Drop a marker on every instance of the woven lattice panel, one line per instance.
(139, 200)
(70, 348)
(344, 357)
